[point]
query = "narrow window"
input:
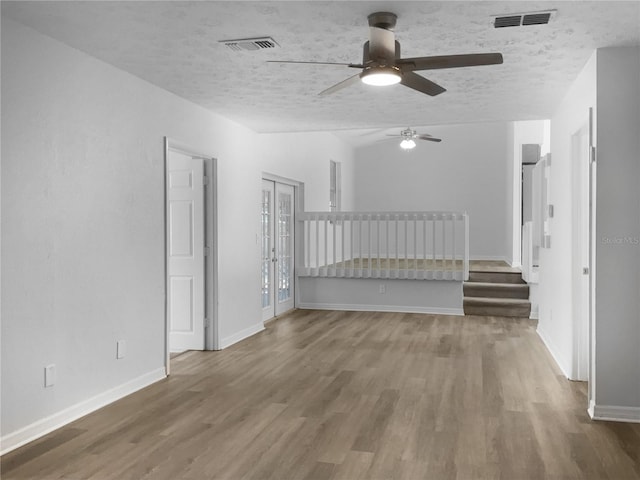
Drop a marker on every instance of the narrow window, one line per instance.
(335, 188)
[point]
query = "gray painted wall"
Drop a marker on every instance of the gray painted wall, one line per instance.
(618, 228)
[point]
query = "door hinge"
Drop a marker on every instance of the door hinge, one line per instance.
(204, 322)
(592, 154)
(205, 180)
(207, 251)
(585, 270)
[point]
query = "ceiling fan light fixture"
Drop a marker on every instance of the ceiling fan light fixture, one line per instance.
(381, 76)
(407, 144)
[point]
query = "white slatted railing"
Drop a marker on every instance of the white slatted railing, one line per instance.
(404, 245)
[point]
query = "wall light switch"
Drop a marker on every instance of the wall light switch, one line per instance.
(383, 288)
(121, 349)
(49, 375)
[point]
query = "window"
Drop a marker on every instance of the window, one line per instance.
(335, 187)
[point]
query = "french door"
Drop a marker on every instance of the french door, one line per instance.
(277, 260)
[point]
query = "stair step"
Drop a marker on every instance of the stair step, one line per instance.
(496, 277)
(496, 290)
(499, 307)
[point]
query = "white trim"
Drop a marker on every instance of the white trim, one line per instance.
(241, 335)
(534, 314)
(553, 351)
(496, 258)
(278, 179)
(52, 422)
(614, 413)
(381, 308)
(591, 409)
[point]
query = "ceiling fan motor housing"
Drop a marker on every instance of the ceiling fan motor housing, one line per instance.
(386, 20)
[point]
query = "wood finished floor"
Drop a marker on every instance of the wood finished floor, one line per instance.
(344, 395)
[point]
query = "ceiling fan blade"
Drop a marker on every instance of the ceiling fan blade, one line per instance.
(429, 138)
(343, 84)
(352, 65)
(449, 61)
(421, 84)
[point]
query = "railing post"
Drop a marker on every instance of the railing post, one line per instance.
(415, 245)
(334, 223)
(466, 247)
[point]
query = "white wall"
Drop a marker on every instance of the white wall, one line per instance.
(413, 296)
(83, 224)
(305, 157)
(467, 171)
(555, 292)
(618, 230)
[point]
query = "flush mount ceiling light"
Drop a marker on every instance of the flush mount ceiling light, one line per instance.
(381, 76)
(407, 144)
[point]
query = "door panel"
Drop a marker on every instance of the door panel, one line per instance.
(185, 231)
(284, 249)
(268, 250)
(277, 258)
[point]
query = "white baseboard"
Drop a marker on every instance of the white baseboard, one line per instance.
(497, 258)
(553, 351)
(381, 308)
(614, 413)
(241, 335)
(48, 424)
(533, 315)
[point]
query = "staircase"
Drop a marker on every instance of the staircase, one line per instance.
(495, 289)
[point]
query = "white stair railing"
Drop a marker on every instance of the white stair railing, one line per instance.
(404, 245)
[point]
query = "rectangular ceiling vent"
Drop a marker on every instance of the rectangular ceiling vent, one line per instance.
(523, 19)
(251, 44)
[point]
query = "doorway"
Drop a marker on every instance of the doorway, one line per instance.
(190, 253)
(277, 248)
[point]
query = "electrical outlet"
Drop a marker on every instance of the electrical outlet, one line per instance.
(383, 288)
(49, 375)
(121, 349)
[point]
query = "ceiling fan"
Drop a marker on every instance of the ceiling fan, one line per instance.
(382, 65)
(408, 135)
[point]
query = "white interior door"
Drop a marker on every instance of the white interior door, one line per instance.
(277, 260)
(185, 262)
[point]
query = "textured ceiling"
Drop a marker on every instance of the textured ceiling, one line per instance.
(175, 45)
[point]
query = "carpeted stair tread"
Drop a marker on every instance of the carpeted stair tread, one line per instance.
(496, 277)
(490, 301)
(498, 290)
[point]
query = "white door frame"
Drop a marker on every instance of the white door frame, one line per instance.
(593, 178)
(211, 241)
(298, 194)
(581, 279)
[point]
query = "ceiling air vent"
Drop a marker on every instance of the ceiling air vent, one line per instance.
(536, 18)
(251, 44)
(523, 19)
(511, 21)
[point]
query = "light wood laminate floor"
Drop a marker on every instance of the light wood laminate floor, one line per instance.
(345, 395)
